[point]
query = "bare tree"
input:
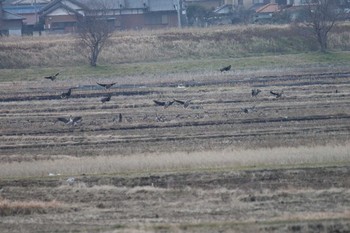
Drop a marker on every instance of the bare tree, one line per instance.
(94, 29)
(322, 16)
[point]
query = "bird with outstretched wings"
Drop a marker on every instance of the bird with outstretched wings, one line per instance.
(185, 103)
(277, 94)
(52, 77)
(71, 120)
(226, 68)
(165, 104)
(106, 85)
(255, 92)
(67, 94)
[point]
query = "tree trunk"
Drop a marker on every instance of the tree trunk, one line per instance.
(322, 40)
(94, 55)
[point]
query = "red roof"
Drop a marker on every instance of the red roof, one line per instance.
(268, 8)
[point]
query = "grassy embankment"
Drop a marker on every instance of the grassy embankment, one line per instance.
(172, 51)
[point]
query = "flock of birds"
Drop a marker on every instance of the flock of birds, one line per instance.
(73, 121)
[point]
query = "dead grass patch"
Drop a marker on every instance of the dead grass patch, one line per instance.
(182, 161)
(9, 208)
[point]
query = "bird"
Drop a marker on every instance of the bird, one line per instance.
(70, 121)
(52, 77)
(70, 180)
(248, 110)
(67, 94)
(163, 103)
(120, 118)
(106, 98)
(277, 94)
(106, 85)
(184, 103)
(255, 92)
(226, 68)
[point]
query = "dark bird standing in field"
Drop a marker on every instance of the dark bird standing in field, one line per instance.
(67, 94)
(226, 68)
(119, 118)
(255, 92)
(106, 85)
(70, 120)
(165, 104)
(248, 110)
(106, 98)
(184, 103)
(52, 77)
(277, 94)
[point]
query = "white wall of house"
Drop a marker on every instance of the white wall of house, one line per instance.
(15, 31)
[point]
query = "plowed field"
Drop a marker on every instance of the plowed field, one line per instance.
(313, 110)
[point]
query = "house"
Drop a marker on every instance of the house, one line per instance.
(62, 15)
(265, 12)
(28, 9)
(10, 24)
(238, 11)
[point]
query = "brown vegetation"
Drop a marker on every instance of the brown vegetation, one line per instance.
(142, 46)
(8, 208)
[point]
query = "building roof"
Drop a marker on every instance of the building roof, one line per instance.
(55, 3)
(223, 9)
(151, 5)
(29, 2)
(10, 16)
(23, 9)
(60, 6)
(268, 8)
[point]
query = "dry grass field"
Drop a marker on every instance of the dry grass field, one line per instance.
(229, 162)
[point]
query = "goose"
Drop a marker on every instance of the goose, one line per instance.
(52, 77)
(106, 85)
(184, 103)
(255, 92)
(67, 94)
(226, 68)
(70, 180)
(277, 94)
(106, 98)
(163, 103)
(248, 110)
(70, 120)
(120, 118)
